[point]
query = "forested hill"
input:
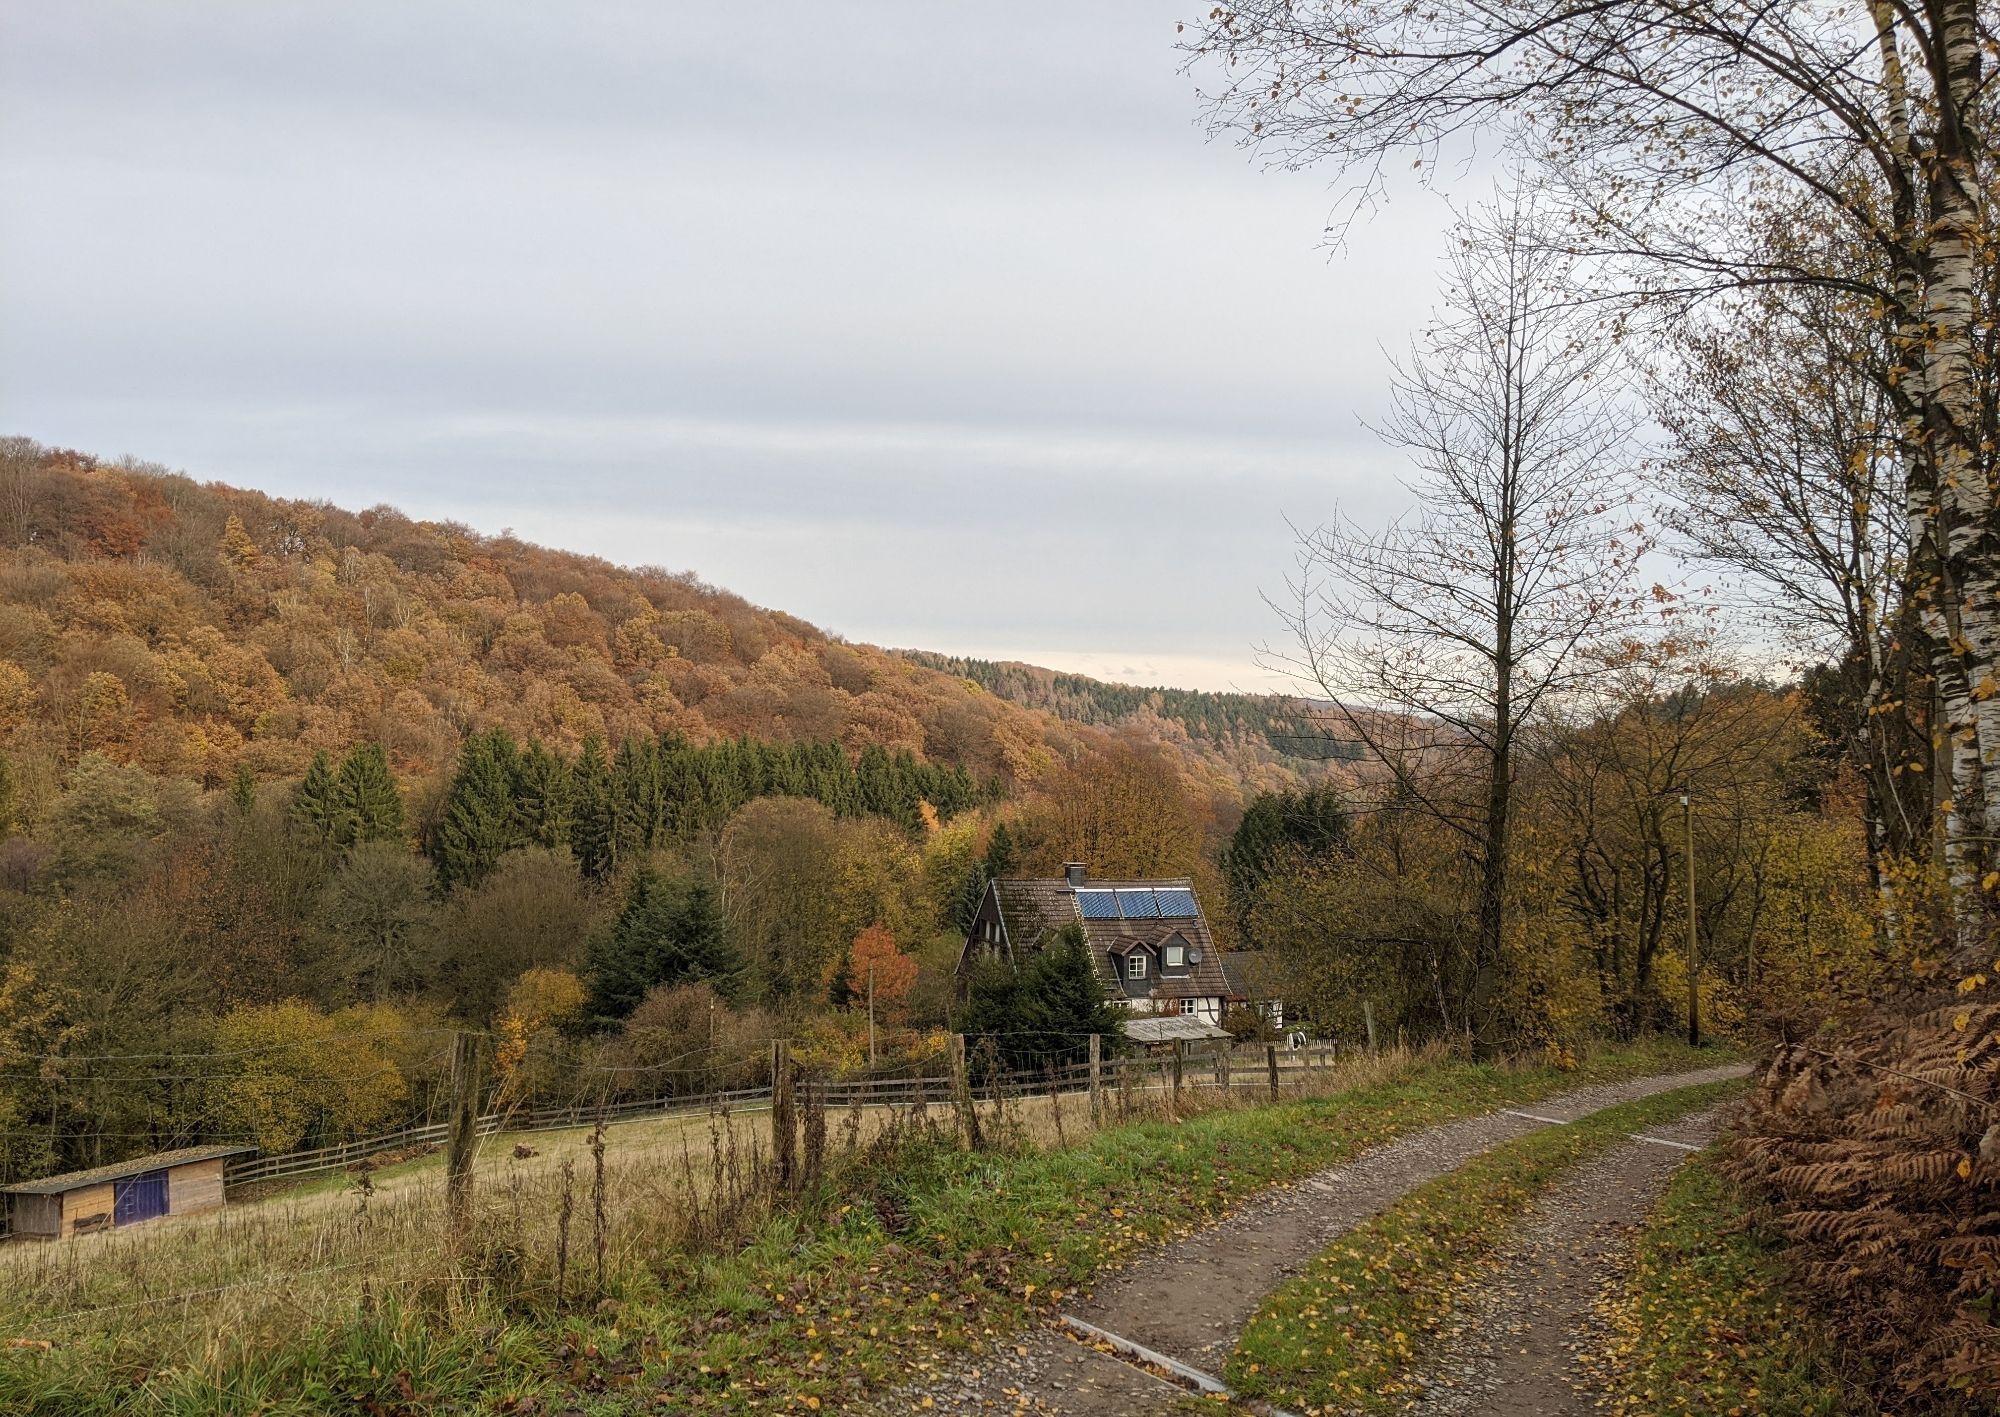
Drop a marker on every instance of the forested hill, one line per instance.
(194, 630)
(1235, 725)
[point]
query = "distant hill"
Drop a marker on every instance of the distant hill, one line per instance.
(1264, 727)
(192, 628)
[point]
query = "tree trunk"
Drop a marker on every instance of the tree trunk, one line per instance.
(1951, 503)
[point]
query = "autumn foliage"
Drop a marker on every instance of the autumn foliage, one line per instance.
(877, 969)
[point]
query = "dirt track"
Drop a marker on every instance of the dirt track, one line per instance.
(1190, 1300)
(1520, 1349)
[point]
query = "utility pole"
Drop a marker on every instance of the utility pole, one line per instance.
(1693, 941)
(871, 1015)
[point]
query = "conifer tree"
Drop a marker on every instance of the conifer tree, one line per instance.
(971, 894)
(242, 791)
(839, 989)
(544, 797)
(669, 932)
(1003, 857)
(479, 822)
(1045, 1008)
(316, 800)
(367, 806)
(593, 827)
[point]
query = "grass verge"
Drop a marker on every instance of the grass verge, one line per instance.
(907, 1259)
(1704, 1324)
(1347, 1333)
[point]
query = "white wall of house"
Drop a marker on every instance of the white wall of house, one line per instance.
(1208, 1010)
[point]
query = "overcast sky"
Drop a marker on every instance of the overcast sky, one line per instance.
(937, 325)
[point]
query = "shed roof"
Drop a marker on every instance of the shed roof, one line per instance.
(1171, 1028)
(118, 1171)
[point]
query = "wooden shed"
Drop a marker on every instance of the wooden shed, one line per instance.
(183, 1182)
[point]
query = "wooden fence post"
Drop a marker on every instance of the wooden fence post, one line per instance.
(462, 1141)
(1180, 1060)
(784, 1119)
(1271, 1067)
(961, 1095)
(1096, 1078)
(1222, 1066)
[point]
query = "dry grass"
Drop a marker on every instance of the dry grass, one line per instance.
(209, 1290)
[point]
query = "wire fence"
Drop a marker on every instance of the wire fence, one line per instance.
(1233, 1067)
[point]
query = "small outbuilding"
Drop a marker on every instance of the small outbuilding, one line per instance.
(1157, 1033)
(183, 1182)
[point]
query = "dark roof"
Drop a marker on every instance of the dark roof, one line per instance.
(1250, 975)
(1030, 908)
(118, 1171)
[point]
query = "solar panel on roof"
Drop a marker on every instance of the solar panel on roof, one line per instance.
(1176, 903)
(1097, 905)
(1138, 905)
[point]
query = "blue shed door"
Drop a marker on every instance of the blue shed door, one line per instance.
(140, 1198)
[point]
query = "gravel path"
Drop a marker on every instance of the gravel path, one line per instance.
(1527, 1335)
(1191, 1299)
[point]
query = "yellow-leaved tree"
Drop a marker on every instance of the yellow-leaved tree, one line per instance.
(290, 1076)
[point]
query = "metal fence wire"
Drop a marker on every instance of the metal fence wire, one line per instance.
(1237, 1068)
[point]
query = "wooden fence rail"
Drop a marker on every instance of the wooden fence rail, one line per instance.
(1243, 1068)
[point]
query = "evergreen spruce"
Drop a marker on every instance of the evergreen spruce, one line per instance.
(971, 893)
(593, 826)
(839, 990)
(367, 806)
(544, 797)
(478, 823)
(669, 932)
(242, 791)
(1003, 857)
(316, 800)
(1044, 1009)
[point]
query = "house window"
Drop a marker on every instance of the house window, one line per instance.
(1135, 965)
(1176, 957)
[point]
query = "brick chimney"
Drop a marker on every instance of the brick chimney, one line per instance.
(1074, 873)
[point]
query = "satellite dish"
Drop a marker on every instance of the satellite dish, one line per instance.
(1194, 956)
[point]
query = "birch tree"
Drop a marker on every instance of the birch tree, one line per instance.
(1437, 637)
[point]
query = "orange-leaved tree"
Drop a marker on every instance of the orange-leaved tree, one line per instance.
(894, 972)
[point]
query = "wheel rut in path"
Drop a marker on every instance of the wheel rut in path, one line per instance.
(1191, 1299)
(1526, 1337)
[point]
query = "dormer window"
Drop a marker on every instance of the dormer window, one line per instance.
(1176, 957)
(1135, 965)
